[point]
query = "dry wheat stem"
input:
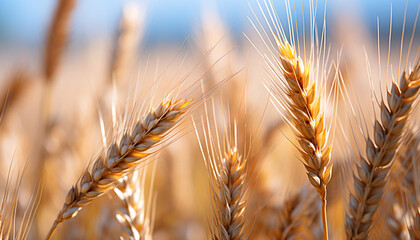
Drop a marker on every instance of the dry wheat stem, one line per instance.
(372, 174)
(122, 158)
(303, 104)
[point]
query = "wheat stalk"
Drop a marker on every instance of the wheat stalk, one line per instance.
(414, 229)
(298, 93)
(408, 171)
(122, 158)
(395, 222)
(229, 177)
(132, 212)
(297, 217)
(127, 41)
(57, 37)
(372, 173)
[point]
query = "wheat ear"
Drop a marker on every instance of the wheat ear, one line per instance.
(408, 172)
(127, 41)
(298, 94)
(122, 158)
(132, 212)
(372, 173)
(229, 177)
(297, 217)
(414, 229)
(227, 180)
(395, 221)
(57, 37)
(229, 201)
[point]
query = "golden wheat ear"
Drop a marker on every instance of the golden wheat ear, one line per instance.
(299, 95)
(372, 173)
(298, 91)
(124, 156)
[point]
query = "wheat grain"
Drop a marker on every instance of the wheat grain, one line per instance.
(372, 173)
(122, 158)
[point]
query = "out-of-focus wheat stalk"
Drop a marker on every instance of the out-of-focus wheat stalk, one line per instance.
(407, 188)
(132, 214)
(298, 217)
(57, 37)
(13, 91)
(123, 157)
(372, 173)
(395, 222)
(126, 46)
(414, 229)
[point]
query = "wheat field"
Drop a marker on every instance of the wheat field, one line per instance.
(303, 127)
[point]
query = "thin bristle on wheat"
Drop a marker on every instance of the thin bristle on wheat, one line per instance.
(228, 197)
(122, 158)
(57, 37)
(303, 104)
(372, 173)
(132, 212)
(298, 216)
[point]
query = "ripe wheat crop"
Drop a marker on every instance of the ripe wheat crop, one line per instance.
(292, 130)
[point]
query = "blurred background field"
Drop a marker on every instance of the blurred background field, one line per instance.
(53, 122)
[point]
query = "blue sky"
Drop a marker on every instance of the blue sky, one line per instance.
(26, 21)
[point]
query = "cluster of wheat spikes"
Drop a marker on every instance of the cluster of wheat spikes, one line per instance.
(238, 178)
